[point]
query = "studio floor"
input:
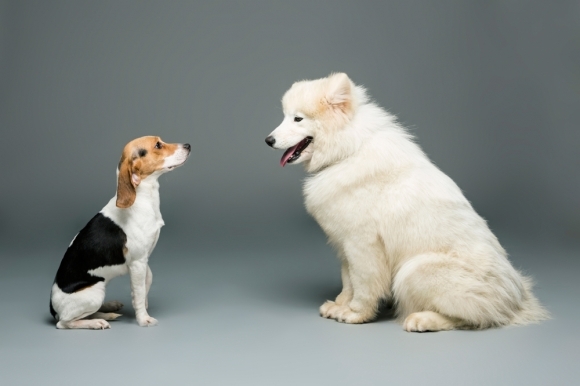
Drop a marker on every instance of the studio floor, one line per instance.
(246, 313)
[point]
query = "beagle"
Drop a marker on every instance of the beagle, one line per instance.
(118, 240)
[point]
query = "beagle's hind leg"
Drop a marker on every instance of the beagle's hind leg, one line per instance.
(73, 307)
(92, 324)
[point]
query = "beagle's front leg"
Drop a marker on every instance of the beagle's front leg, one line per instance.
(138, 273)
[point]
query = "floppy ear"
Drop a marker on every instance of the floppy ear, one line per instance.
(339, 91)
(128, 180)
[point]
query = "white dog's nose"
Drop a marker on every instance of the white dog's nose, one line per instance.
(270, 140)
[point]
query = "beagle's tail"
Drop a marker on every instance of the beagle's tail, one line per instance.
(52, 311)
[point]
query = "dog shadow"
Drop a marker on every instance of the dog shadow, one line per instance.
(50, 321)
(312, 295)
(386, 311)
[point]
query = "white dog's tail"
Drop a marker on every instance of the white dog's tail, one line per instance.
(531, 311)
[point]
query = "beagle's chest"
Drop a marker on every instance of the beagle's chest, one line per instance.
(141, 238)
(141, 225)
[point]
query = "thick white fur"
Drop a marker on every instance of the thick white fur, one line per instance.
(402, 228)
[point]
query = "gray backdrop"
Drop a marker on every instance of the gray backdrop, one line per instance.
(491, 89)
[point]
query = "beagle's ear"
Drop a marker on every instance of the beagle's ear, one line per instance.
(128, 180)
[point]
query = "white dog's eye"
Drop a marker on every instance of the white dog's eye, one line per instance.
(158, 145)
(298, 119)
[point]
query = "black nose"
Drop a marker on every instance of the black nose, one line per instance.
(187, 146)
(270, 140)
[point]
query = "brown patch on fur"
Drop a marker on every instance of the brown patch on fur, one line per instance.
(133, 168)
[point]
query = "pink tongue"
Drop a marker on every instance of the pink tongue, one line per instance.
(288, 153)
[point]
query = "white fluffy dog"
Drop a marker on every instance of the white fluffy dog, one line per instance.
(402, 228)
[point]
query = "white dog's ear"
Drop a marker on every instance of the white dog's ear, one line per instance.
(339, 90)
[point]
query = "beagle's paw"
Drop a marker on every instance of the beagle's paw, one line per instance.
(147, 321)
(99, 324)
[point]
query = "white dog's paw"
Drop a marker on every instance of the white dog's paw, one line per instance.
(147, 321)
(328, 309)
(427, 321)
(111, 306)
(347, 315)
(331, 310)
(344, 314)
(98, 324)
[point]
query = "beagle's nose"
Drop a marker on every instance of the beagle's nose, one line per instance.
(270, 141)
(187, 146)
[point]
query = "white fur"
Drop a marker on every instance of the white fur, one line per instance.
(110, 271)
(176, 159)
(402, 228)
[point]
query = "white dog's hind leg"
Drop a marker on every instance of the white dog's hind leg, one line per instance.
(457, 291)
(428, 321)
(330, 308)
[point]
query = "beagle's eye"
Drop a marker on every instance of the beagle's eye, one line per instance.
(298, 119)
(158, 145)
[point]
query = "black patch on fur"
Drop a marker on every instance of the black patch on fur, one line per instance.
(142, 152)
(100, 243)
(52, 311)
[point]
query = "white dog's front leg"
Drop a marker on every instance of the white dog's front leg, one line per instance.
(369, 279)
(330, 308)
(138, 273)
(346, 294)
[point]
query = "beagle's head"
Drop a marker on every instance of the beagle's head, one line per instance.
(144, 157)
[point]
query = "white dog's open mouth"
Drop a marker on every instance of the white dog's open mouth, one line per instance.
(293, 153)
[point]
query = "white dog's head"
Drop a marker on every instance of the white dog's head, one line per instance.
(314, 110)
